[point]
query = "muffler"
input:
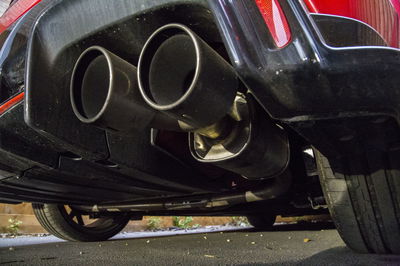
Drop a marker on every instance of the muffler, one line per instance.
(104, 93)
(182, 76)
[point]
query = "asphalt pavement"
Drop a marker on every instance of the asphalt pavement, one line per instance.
(302, 244)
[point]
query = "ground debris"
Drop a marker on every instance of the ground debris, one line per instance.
(48, 258)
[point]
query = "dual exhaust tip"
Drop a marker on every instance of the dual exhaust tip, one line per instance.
(180, 83)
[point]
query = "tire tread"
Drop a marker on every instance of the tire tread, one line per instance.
(364, 206)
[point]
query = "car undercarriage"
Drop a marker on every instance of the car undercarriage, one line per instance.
(122, 109)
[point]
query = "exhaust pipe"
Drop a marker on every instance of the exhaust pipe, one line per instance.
(104, 92)
(275, 189)
(182, 76)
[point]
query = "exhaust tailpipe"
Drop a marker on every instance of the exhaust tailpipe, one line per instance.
(104, 92)
(182, 76)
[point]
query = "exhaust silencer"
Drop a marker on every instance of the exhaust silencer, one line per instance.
(182, 76)
(104, 92)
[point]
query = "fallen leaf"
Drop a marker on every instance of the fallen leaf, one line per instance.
(306, 240)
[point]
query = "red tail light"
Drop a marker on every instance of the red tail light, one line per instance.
(275, 20)
(15, 12)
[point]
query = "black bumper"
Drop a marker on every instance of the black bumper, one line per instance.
(318, 90)
(306, 85)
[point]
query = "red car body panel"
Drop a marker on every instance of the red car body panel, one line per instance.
(382, 15)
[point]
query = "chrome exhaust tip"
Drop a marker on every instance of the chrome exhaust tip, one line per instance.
(182, 76)
(104, 92)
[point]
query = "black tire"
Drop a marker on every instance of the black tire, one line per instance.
(263, 221)
(363, 195)
(70, 226)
